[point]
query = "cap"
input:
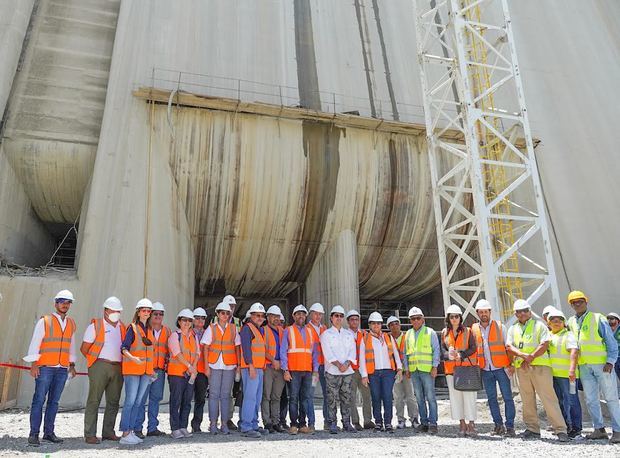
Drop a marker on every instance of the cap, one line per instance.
(144, 304)
(337, 309)
(113, 303)
(317, 307)
(483, 304)
(415, 311)
(199, 311)
(520, 304)
(454, 310)
(185, 313)
(300, 308)
(158, 306)
(375, 317)
(274, 310)
(351, 313)
(65, 294)
(223, 306)
(392, 319)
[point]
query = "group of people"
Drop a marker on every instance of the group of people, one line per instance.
(273, 369)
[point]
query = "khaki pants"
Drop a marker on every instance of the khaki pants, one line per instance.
(356, 385)
(273, 384)
(538, 380)
(103, 377)
(403, 394)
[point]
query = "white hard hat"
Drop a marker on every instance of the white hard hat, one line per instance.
(375, 317)
(317, 307)
(113, 303)
(185, 313)
(247, 315)
(613, 315)
(415, 311)
(282, 317)
(229, 300)
(223, 306)
(454, 309)
(337, 309)
(300, 308)
(483, 304)
(64, 294)
(520, 304)
(392, 319)
(548, 309)
(351, 313)
(256, 307)
(556, 313)
(199, 311)
(144, 303)
(158, 307)
(274, 310)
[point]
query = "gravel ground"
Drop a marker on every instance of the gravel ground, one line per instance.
(69, 425)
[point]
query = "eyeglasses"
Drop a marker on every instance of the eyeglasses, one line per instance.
(223, 312)
(63, 301)
(200, 318)
(416, 318)
(522, 311)
(337, 315)
(186, 320)
(144, 309)
(157, 313)
(260, 315)
(577, 302)
(454, 316)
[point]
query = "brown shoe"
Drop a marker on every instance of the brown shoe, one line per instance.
(432, 429)
(597, 434)
(293, 430)
(510, 432)
(114, 438)
(499, 430)
(304, 430)
(92, 440)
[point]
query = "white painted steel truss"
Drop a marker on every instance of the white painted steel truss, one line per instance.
(489, 211)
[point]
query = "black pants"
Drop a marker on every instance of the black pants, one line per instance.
(181, 394)
(200, 395)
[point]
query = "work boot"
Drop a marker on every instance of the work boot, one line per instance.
(155, 433)
(350, 429)
(378, 427)
(293, 430)
(277, 428)
(231, 425)
(92, 440)
(432, 429)
(33, 441)
(389, 429)
(252, 434)
(510, 432)
(262, 431)
(563, 437)
(139, 434)
(615, 437)
(599, 433)
(422, 428)
(52, 438)
(499, 430)
(358, 427)
(369, 425)
(527, 434)
(574, 433)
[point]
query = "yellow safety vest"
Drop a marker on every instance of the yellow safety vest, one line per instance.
(592, 349)
(419, 352)
(527, 340)
(560, 355)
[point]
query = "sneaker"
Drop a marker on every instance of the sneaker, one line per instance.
(129, 439)
(278, 429)
(358, 427)
(432, 429)
(563, 437)
(510, 432)
(213, 429)
(252, 434)
(574, 433)
(499, 430)
(594, 435)
(52, 438)
(350, 429)
(177, 434)
(293, 430)
(196, 430)
(33, 441)
(527, 434)
(422, 428)
(185, 432)
(262, 431)
(231, 425)
(155, 433)
(414, 423)
(401, 424)
(389, 429)
(369, 425)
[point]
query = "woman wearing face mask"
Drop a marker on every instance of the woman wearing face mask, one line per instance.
(137, 350)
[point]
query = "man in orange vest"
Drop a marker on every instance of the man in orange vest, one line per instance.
(101, 346)
(52, 354)
(403, 389)
(495, 362)
(317, 312)
(353, 320)
(273, 381)
(202, 382)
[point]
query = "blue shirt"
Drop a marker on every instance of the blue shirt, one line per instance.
(284, 349)
(130, 336)
(247, 336)
(604, 330)
(434, 345)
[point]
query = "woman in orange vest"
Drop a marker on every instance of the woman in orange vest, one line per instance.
(137, 368)
(459, 348)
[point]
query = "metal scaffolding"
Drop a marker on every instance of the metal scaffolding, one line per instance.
(488, 205)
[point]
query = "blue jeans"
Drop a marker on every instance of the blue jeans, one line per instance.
(424, 387)
(570, 411)
(49, 383)
(301, 394)
(181, 396)
(381, 386)
(135, 387)
(594, 379)
(252, 396)
(323, 383)
(154, 394)
(490, 379)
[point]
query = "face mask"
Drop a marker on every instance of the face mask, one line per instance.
(114, 317)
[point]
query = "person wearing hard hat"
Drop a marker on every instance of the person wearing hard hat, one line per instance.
(182, 373)
(101, 346)
(353, 320)
(380, 367)
(423, 356)
(563, 353)
(496, 365)
(598, 352)
(202, 382)
(528, 341)
(403, 390)
(458, 347)
(273, 377)
(299, 359)
(253, 361)
(614, 323)
(220, 347)
(338, 346)
(52, 354)
(316, 314)
(155, 392)
(545, 314)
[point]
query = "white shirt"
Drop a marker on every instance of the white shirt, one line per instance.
(112, 342)
(37, 338)
(207, 338)
(382, 357)
(338, 345)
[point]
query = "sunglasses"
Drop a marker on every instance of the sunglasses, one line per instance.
(454, 316)
(223, 312)
(64, 301)
(157, 313)
(337, 315)
(417, 318)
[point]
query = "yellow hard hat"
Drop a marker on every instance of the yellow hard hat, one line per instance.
(574, 295)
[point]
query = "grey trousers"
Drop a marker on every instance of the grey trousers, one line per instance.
(339, 392)
(403, 394)
(273, 384)
(220, 386)
(356, 385)
(103, 377)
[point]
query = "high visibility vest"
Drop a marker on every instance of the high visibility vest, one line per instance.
(497, 347)
(559, 354)
(270, 341)
(530, 340)
(95, 348)
(235, 321)
(200, 365)
(359, 335)
(460, 343)
(55, 347)
(317, 338)
(300, 352)
(419, 351)
(369, 351)
(223, 344)
(190, 351)
(138, 349)
(259, 350)
(592, 349)
(161, 354)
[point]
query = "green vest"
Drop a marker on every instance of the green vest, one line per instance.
(559, 354)
(419, 352)
(592, 348)
(527, 340)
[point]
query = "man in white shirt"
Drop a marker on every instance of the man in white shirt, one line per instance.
(338, 346)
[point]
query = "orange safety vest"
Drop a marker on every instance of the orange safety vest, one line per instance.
(95, 348)
(55, 347)
(317, 338)
(359, 335)
(258, 350)
(200, 366)
(223, 344)
(138, 349)
(161, 348)
(189, 350)
(497, 347)
(459, 344)
(300, 352)
(369, 352)
(270, 341)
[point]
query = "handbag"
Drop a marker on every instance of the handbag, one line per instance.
(467, 378)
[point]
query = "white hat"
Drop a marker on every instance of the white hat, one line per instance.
(199, 311)
(247, 315)
(454, 309)
(229, 300)
(337, 309)
(548, 309)
(392, 319)
(256, 307)
(282, 317)
(274, 310)
(185, 313)
(223, 306)
(317, 307)
(375, 317)
(415, 311)
(520, 304)
(113, 303)
(158, 306)
(300, 308)
(614, 315)
(64, 294)
(483, 304)
(351, 313)
(556, 313)
(144, 303)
